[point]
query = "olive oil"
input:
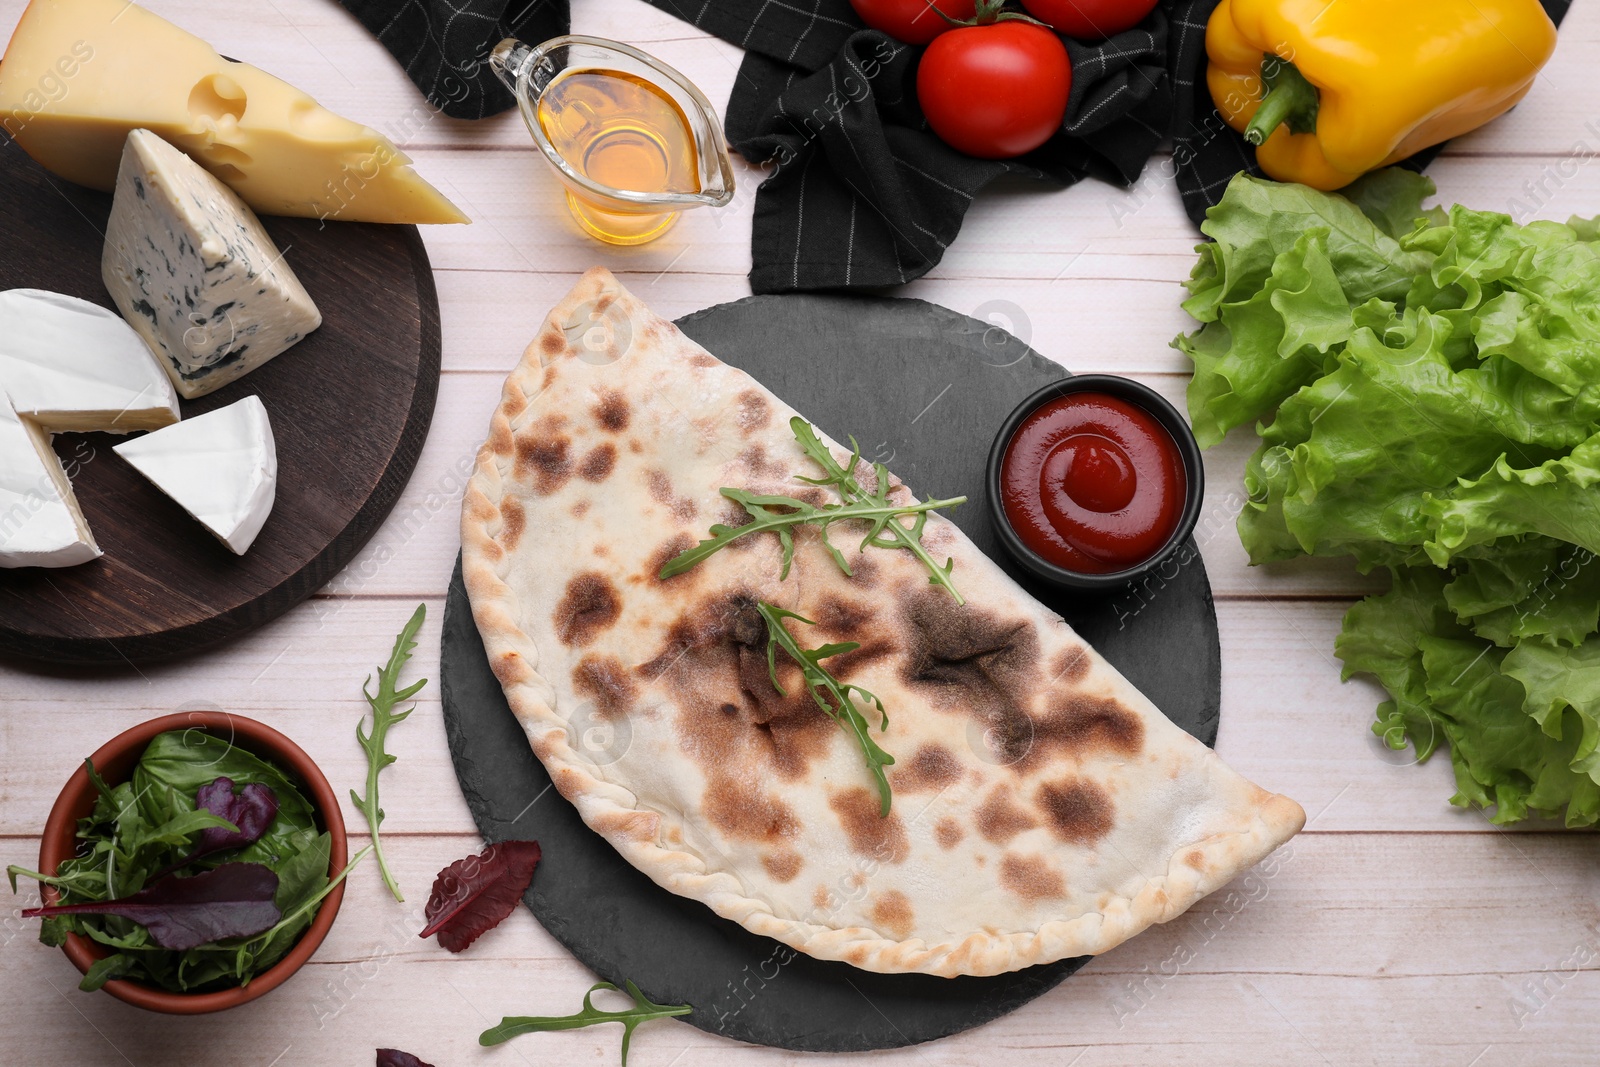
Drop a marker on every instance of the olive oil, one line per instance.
(624, 133)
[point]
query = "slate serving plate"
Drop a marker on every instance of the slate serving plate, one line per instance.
(931, 386)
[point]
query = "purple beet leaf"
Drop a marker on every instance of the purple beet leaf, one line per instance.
(393, 1057)
(252, 810)
(473, 895)
(233, 900)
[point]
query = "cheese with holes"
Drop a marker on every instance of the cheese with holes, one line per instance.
(194, 272)
(65, 364)
(40, 524)
(80, 75)
(221, 467)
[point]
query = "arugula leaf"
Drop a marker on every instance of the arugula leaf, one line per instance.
(643, 1011)
(830, 694)
(383, 717)
(780, 514)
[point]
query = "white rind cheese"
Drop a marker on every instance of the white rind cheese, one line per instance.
(72, 365)
(65, 364)
(193, 271)
(79, 75)
(221, 467)
(40, 524)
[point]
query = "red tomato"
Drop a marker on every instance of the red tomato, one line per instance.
(995, 91)
(1090, 20)
(912, 21)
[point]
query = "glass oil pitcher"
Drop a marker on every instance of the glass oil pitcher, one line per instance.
(632, 140)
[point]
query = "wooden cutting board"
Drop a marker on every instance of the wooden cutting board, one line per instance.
(350, 406)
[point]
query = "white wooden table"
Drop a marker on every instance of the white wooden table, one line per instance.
(1395, 930)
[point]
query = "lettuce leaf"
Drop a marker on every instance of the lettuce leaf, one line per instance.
(1426, 388)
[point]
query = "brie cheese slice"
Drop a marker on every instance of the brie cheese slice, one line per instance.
(221, 467)
(68, 364)
(194, 272)
(40, 524)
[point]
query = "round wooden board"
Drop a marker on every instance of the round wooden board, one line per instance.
(350, 406)
(932, 386)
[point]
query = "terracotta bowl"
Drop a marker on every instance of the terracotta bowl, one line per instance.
(115, 761)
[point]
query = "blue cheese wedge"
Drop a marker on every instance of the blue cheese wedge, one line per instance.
(193, 270)
(221, 467)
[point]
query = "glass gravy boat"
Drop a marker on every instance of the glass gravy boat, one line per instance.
(632, 140)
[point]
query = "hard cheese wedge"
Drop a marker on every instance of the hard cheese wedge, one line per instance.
(40, 524)
(221, 467)
(79, 75)
(65, 364)
(194, 272)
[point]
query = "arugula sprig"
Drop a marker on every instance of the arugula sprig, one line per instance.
(887, 531)
(831, 695)
(644, 1010)
(781, 514)
(384, 716)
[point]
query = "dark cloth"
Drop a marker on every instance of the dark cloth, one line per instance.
(444, 45)
(862, 194)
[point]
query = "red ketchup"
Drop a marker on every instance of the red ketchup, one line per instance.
(1092, 483)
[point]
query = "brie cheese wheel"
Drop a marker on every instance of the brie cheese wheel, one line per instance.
(40, 524)
(68, 364)
(79, 75)
(193, 271)
(221, 467)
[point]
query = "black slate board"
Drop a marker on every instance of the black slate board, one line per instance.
(936, 385)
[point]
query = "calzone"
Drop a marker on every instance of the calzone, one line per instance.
(1042, 807)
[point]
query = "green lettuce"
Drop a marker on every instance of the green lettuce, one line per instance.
(1426, 388)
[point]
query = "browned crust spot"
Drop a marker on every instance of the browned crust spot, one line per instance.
(1072, 664)
(703, 359)
(683, 509)
(783, 864)
(544, 454)
(930, 768)
(1083, 724)
(604, 680)
(629, 825)
(500, 440)
(613, 411)
(1076, 810)
(513, 520)
(1031, 877)
(1000, 818)
(893, 914)
(754, 462)
(552, 342)
(1196, 859)
(580, 509)
(746, 813)
(882, 838)
(669, 550)
(755, 411)
(591, 604)
(598, 463)
(948, 833)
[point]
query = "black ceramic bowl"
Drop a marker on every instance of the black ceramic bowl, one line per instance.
(1141, 396)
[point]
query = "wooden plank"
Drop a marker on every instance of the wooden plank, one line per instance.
(1297, 962)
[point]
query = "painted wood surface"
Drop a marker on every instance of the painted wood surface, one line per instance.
(1395, 930)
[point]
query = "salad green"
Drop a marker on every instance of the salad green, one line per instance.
(1426, 387)
(140, 829)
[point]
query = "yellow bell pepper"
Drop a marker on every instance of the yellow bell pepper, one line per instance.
(1330, 89)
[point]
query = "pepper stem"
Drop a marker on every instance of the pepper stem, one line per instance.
(1289, 100)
